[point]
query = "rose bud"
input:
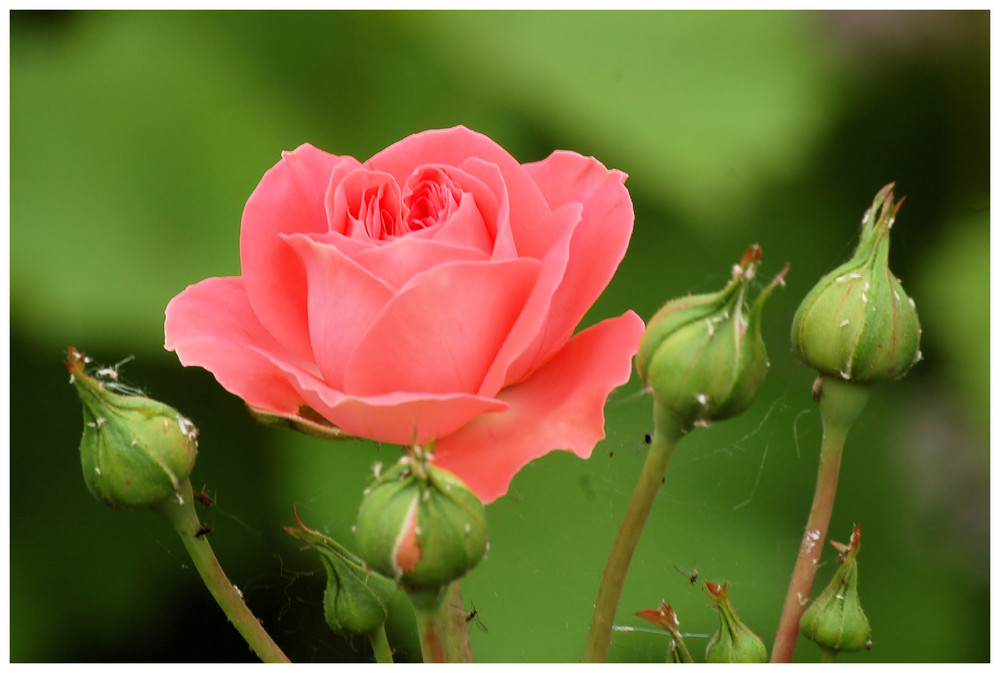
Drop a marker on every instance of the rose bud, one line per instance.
(857, 323)
(665, 617)
(734, 642)
(357, 599)
(421, 525)
(703, 355)
(835, 619)
(136, 452)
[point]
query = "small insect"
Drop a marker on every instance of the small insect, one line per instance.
(203, 530)
(204, 498)
(692, 574)
(649, 438)
(473, 616)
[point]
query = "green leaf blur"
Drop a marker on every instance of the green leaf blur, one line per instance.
(136, 137)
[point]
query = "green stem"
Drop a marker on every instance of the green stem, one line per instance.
(840, 403)
(456, 628)
(380, 646)
(444, 635)
(827, 655)
(181, 515)
(683, 654)
(668, 430)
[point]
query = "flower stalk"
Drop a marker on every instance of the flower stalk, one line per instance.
(840, 403)
(668, 430)
(181, 514)
(443, 631)
(380, 646)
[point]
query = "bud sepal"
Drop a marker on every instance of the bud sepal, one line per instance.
(665, 617)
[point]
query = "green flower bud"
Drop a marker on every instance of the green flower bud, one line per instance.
(136, 452)
(421, 525)
(357, 599)
(734, 642)
(835, 619)
(665, 617)
(857, 322)
(703, 355)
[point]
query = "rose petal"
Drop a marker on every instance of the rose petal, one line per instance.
(431, 194)
(395, 418)
(211, 325)
(290, 198)
(365, 205)
(452, 147)
(599, 241)
(561, 406)
(531, 325)
(344, 301)
(397, 261)
(440, 333)
(503, 238)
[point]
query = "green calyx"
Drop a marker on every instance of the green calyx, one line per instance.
(135, 452)
(734, 642)
(857, 322)
(421, 525)
(835, 620)
(357, 599)
(703, 356)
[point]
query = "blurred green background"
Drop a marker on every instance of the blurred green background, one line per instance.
(136, 138)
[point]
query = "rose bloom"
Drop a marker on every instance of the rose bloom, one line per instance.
(426, 295)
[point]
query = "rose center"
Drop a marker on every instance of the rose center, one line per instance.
(431, 197)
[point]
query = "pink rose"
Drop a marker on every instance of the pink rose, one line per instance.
(429, 294)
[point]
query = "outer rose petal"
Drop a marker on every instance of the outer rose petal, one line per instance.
(561, 406)
(290, 198)
(211, 325)
(598, 245)
(395, 418)
(531, 325)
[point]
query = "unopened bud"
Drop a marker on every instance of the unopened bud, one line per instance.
(857, 323)
(665, 617)
(835, 619)
(734, 642)
(136, 452)
(702, 355)
(421, 525)
(357, 599)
